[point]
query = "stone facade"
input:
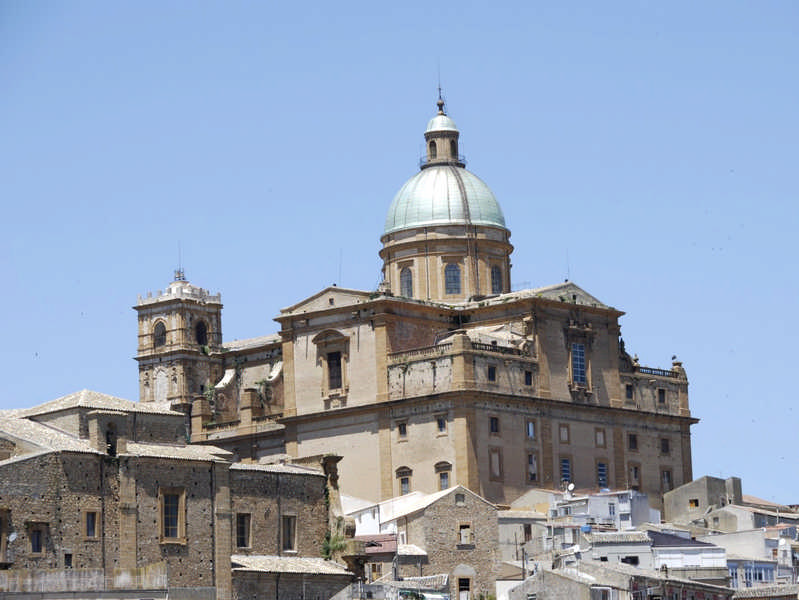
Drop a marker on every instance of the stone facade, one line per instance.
(82, 503)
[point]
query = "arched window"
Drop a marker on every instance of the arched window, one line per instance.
(443, 470)
(201, 333)
(406, 283)
(159, 334)
(496, 280)
(452, 279)
(404, 477)
(453, 149)
(433, 151)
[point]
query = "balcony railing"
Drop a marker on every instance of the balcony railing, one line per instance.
(657, 372)
(497, 348)
(426, 352)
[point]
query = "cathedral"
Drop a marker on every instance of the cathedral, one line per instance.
(442, 376)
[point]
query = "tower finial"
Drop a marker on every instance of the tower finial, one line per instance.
(440, 102)
(179, 274)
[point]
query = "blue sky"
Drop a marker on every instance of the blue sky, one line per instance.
(645, 150)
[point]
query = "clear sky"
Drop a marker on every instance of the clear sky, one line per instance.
(646, 150)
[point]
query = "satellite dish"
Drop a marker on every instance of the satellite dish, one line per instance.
(570, 487)
(12, 536)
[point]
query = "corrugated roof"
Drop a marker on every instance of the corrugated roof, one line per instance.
(99, 401)
(287, 564)
(618, 537)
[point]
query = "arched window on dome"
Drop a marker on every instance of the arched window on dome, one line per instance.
(453, 149)
(452, 279)
(496, 280)
(432, 149)
(159, 334)
(406, 283)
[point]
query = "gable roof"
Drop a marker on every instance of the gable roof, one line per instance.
(42, 436)
(669, 540)
(96, 400)
(426, 500)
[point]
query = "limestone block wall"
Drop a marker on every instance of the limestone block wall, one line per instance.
(420, 377)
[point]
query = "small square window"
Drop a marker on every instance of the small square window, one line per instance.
(492, 373)
(628, 391)
(528, 378)
(460, 499)
(493, 424)
(693, 503)
(564, 434)
(465, 534)
(402, 429)
(632, 441)
(664, 446)
(661, 396)
(441, 423)
(531, 430)
(37, 537)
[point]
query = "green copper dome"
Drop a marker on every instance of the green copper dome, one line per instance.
(443, 195)
(443, 192)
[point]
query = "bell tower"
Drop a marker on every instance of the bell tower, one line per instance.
(180, 336)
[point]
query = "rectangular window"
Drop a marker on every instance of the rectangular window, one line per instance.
(628, 391)
(693, 503)
(632, 441)
(578, 364)
(528, 532)
(465, 534)
(90, 524)
(402, 429)
(612, 509)
(405, 485)
(565, 469)
(599, 438)
(289, 533)
(495, 461)
(532, 467)
(564, 434)
(243, 530)
(493, 424)
(460, 499)
(492, 373)
(443, 480)
(635, 476)
(441, 423)
(173, 514)
(334, 370)
(602, 474)
(531, 430)
(37, 531)
(664, 446)
(452, 279)
(661, 396)
(376, 570)
(665, 480)
(528, 378)
(67, 560)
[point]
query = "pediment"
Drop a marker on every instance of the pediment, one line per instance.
(327, 299)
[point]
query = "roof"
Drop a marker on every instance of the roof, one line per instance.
(277, 468)
(521, 514)
(441, 122)
(176, 452)
(264, 340)
(614, 537)
(99, 401)
(43, 436)
(768, 591)
(443, 195)
(425, 500)
(378, 543)
(668, 540)
(410, 550)
(287, 564)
